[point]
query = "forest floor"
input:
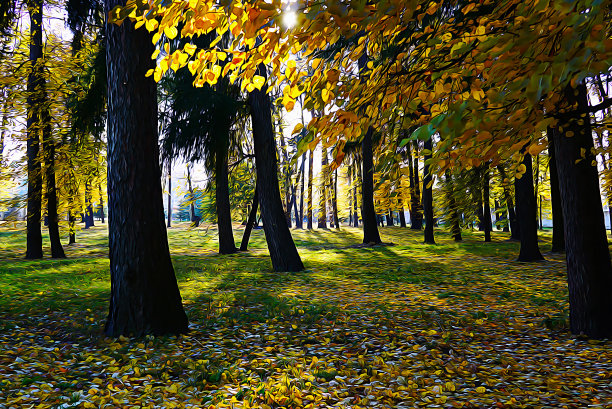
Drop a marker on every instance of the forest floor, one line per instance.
(397, 326)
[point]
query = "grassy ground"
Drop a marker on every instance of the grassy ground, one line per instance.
(400, 325)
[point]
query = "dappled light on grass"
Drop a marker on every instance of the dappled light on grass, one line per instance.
(400, 325)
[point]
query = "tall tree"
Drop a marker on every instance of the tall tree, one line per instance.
(145, 298)
(282, 249)
(589, 272)
(428, 193)
(368, 213)
(526, 213)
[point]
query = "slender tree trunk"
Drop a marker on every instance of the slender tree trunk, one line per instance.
(101, 202)
(536, 183)
(526, 214)
(477, 195)
(356, 185)
(455, 226)
(57, 250)
(222, 196)
(322, 219)
(145, 298)
(558, 236)
(515, 227)
(309, 201)
(285, 171)
(335, 200)
(89, 220)
(195, 221)
(169, 195)
(368, 214)
(589, 273)
(488, 224)
(282, 249)
(34, 102)
(416, 217)
(389, 217)
(428, 194)
(300, 217)
(250, 222)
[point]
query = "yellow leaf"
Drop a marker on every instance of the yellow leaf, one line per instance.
(325, 95)
(258, 81)
(481, 389)
(170, 32)
(297, 128)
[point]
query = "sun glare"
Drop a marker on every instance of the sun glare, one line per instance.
(289, 18)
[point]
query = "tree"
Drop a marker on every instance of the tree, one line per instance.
(144, 294)
(558, 236)
(428, 194)
(526, 212)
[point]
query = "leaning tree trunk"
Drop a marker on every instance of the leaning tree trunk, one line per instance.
(368, 214)
(428, 194)
(526, 214)
(309, 201)
(145, 298)
(282, 249)
(589, 273)
(51, 192)
(34, 102)
(515, 227)
(222, 196)
(244, 245)
(558, 236)
(488, 225)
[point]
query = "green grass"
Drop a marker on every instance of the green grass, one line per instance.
(405, 316)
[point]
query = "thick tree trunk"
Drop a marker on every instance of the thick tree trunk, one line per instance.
(589, 273)
(222, 196)
(558, 236)
(51, 192)
(428, 195)
(368, 214)
(244, 245)
(526, 214)
(34, 102)
(322, 219)
(169, 224)
(488, 225)
(309, 201)
(282, 249)
(145, 298)
(402, 216)
(515, 227)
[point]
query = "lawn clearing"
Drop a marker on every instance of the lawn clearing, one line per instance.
(399, 325)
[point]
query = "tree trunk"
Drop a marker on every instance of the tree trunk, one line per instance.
(101, 202)
(515, 227)
(244, 245)
(145, 298)
(195, 222)
(282, 249)
(89, 220)
(309, 201)
(402, 217)
(428, 194)
(455, 226)
(335, 200)
(169, 195)
(222, 196)
(416, 217)
(284, 166)
(368, 214)
(558, 236)
(488, 225)
(356, 185)
(526, 214)
(389, 217)
(477, 195)
(589, 273)
(51, 192)
(322, 219)
(34, 102)
(299, 218)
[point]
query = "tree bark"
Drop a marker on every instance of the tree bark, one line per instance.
(282, 249)
(368, 214)
(589, 273)
(322, 219)
(389, 217)
(416, 217)
(222, 199)
(335, 200)
(488, 225)
(402, 217)
(455, 226)
(428, 194)
(356, 185)
(309, 201)
(244, 245)
(34, 102)
(526, 214)
(145, 298)
(515, 228)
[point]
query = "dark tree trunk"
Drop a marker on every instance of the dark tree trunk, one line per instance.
(53, 220)
(515, 228)
(416, 217)
(402, 217)
(322, 219)
(368, 214)
(169, 195)
(389, 217)
(355, 187)
(244, 245)
(526, 214)
(71, 228)
(101, 202)
(309, 201)
(300, 219)
(282, 249)
(589, 273)
(455, 226)
(88, 216)
(195, 221)
(145, 298)
(335, 200)
(34, 102)
(222, 196)
(488, 225)
(428, 194)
